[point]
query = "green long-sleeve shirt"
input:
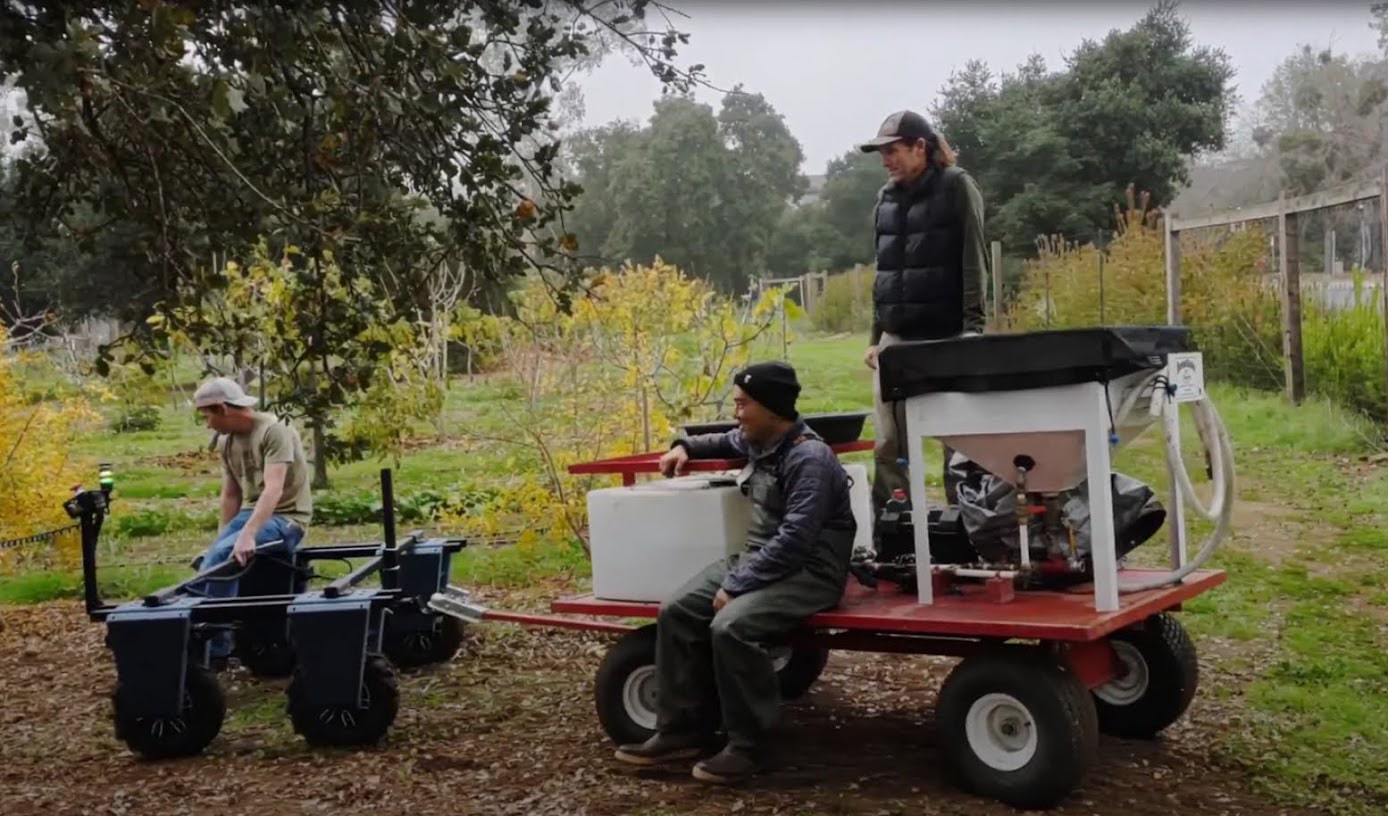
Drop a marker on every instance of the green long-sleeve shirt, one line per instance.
(976, 266)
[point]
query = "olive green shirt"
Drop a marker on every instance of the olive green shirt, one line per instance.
(245, 457)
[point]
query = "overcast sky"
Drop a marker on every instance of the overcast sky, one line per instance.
(834, 70)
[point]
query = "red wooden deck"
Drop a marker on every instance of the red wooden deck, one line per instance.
(1051, 615)
(629, 466)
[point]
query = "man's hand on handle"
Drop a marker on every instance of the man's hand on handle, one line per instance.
(244, 549)
(672, 463)
(870, 358)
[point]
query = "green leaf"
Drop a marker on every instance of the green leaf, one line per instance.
(221, 102)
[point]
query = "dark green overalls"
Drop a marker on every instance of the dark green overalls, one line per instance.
(706, 660)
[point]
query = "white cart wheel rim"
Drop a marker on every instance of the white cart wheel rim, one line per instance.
(1128, 689)
(1001, 732)
(638, 697)
(780, 658)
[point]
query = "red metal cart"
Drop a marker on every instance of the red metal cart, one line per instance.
(1042, 675)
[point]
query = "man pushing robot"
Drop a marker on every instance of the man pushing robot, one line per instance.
(713, 631)
(265, 485)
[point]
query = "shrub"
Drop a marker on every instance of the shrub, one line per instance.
(1228, 298)
(37, 465)
(1225, 298)
(141, 418)
(1343, 351)
(136, 393)
(278, 317)
(476, 340)
(846, 303)
(644, 349)
(151, 523)
(338, 509)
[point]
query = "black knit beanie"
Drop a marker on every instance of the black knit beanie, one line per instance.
(774, 385)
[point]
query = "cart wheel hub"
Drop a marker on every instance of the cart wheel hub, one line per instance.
(1131, 683)
(1001, 732)
(639, 697)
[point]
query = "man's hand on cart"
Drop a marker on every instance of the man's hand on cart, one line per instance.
(672, 463)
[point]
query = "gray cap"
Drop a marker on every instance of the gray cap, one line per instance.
(220, 390)
(902, 125)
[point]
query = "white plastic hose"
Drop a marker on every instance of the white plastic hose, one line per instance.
(1215, 439)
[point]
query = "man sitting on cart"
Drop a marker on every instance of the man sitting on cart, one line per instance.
(265, 485)
(713, 632)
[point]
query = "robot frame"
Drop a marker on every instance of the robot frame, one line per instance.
(340, 643)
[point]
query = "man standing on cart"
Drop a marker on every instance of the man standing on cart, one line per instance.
(265, 484)
(712, 634)
(931, 267)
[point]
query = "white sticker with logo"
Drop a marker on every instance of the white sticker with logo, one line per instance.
(1186, 372)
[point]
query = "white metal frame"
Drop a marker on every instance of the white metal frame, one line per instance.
(1080, 410)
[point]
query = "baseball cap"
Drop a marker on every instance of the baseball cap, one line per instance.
(906, 124)
(220, 390)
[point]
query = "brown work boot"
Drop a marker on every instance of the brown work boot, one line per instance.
(661, 748)
(727, 766)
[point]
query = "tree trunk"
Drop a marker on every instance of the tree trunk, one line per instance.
(645, 419)
(440, 362)
(320, 457)
(443, 351)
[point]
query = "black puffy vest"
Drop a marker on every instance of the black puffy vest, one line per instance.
(918, 292)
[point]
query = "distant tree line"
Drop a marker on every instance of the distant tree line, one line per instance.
(714, 189)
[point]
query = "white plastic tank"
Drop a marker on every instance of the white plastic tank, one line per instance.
(648, 539)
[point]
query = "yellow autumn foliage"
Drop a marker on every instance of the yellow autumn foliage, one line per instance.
(37, 466)
(845, 305)
(1226, 296)
(644, 349)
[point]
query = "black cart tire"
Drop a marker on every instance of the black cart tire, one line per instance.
(197, 724)
(1018, 727)
(264, 656)
(331, 726)
(1161, 675)
(409, 649)
(798, 670)
(624, 689)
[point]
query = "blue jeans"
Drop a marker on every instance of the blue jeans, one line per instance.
(276, 527)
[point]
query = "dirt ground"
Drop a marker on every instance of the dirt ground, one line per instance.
(508, 727)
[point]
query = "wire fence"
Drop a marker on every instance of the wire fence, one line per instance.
(59, 548)
(1321, 287)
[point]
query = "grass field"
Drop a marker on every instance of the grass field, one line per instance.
(1298, 637)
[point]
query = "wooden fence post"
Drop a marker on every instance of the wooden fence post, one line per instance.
(855, 280)
(1171, 260)
(996, 248)
(1172, 245)
(1289, 237)
(1383, 259)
